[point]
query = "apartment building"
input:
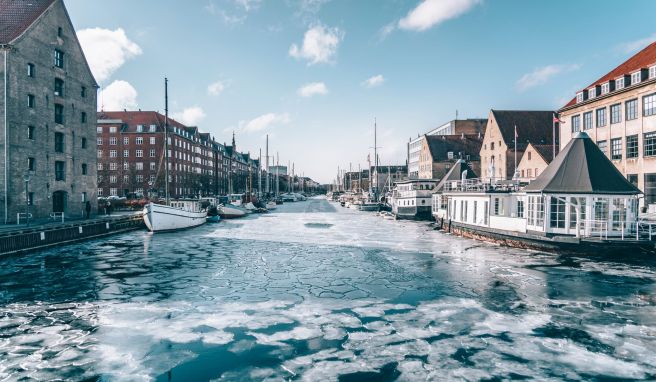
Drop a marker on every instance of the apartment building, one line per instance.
(618, 111)
(440, 152)
(47, 113)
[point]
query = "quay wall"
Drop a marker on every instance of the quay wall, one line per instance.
(29, 239)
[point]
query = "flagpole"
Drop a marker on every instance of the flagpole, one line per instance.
(515, 152)
(554, 136)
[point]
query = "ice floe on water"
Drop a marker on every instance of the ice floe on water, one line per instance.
(314, 293)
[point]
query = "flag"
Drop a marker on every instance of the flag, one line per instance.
(556, 119)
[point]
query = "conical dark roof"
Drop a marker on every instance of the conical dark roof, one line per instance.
(582, 168)
(455, 173)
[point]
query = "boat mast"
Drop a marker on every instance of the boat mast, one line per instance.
(266, 186)
(277, 174)
(166, 139)
(376, 159)
(259, 175)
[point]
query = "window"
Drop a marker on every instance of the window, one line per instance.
(30, 101)
(600, 209)
(601, 117)
(492, 146)
(539, 209)
(126, 140)
(592, 93)
(631, 109)
(576, 123)
(649, 105)
(112, 141)
(83, 117)
(139, 166)
(31, 164)
(100, 153)
(30, 132)
(84, 197)
(635, 78)
(152, 153)
(587, 120)
(99, 129)
(139, 140)
(59, 58)
(59, 113)
(557, 218)
(99, 141)
(60, 171)
(650, 188)
(633, 178)
(616, 113)
(139, 153)
(60, 32)
(603, 146)
(112, 129)
(113, 192)
(520, 208)
(649, 144)
(113, 166)
(112, 179)
(572, 211)
(139, 178)
(153, 128)
(632, 146)
(152, 166)
(112, 153)
(126, 153)
(152, 140)
(139, 128)
(59, 87)
(30, 70)
(100, 192)
(126, 166)
(605, 88)
(652, 72)
(83, 92)
(619, 83)
(579, 97)
(84, 143)
(59, 142)
(126, 179)
(84, 169)
(616, 148)
(529, 155)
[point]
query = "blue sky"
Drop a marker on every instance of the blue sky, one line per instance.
(313, 74)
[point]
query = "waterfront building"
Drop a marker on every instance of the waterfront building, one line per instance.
(383, 177)
(411, 198)
(580, 194)
(498, 152)
(47, 113)
(534, 161)
(618, 111)
(473, 126)
(439, 153)
(131, 156)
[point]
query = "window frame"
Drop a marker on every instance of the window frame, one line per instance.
(632, 146)
(649, 99)
(631, 113)
(616, 148)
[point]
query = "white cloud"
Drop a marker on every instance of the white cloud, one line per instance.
(374, 81)
(106, 50)
(542, 75)
(433, 12)
(190, 116)
(636, 45)
(311, 89)
(216, 88)
(264, 122)
(319, 45)
(118, 95)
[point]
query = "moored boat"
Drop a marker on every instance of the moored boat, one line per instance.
(271, 205)
(229, 211)
(175, 216)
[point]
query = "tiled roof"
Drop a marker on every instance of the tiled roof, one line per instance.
(534, 127)
(17, 15)
(545, 151)
(641, 60)
(134, 118)
(441, 145)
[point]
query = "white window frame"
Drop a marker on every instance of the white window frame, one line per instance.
(579, 97)
(605, 88)
(619, 83)
(592, 92)
(636, 77)
(112, 129)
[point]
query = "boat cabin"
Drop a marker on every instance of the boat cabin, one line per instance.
(189, 205)
(412, 198)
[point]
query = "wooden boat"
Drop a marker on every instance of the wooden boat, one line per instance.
(175, 216)
(229, 211)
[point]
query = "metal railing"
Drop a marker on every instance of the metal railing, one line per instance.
(481, 184)
(24, 216)
(57, 216)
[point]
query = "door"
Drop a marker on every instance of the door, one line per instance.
(59, 201)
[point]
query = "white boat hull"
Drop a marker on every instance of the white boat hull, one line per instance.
(271, 206)
(160, 218)
(230, 212)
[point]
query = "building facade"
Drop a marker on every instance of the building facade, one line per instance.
(383, 177)
(618, 112)
(440, 152)
(48, 113)
(535, 160)
(456, 127)
(503, 128)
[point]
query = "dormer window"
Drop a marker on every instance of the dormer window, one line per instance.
(619, 83)
(139, 128)
(635, 78)
(652, 72)
(153, 128)
(592, 92)
(579, 97)
(605, 88)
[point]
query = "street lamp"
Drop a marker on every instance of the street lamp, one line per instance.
(26, 178)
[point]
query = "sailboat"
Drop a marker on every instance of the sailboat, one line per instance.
(174, 215)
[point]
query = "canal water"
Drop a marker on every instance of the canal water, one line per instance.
(316, 292)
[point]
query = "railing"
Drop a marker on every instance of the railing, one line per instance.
(57, 216)
(639, 230)
(24, 216)
(593, 228)
(480, 184)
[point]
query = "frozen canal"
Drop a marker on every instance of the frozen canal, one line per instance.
(319, 293)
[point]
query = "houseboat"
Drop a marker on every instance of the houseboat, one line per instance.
(580, 204)
(411, 199)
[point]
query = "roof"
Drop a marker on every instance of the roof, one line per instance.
(582, 168)
(16, 16)
(134, 118)
(532, 126)
(455, 173)
(641, 60)
(440, 145)
(545, 151)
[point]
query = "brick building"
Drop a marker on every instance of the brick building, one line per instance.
(440, 152)
(47, 113)
(618, 111)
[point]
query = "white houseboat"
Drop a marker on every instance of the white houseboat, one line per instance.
(580, 204)
(411, 199)
(178, 214)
